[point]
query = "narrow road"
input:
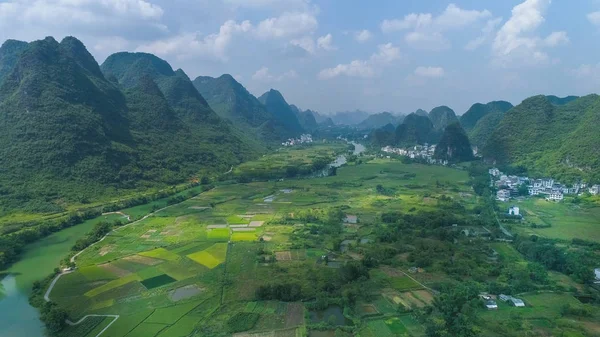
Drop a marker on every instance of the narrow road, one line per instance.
(120, 213)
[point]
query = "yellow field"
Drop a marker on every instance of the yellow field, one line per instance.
(212, 256)
(243, 236)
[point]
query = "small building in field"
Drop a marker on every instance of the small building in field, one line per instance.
(597, 274)
(514, 210)
(517, 302)
(491, 305)
(595, 190)
(504, 298)
(351, 219)
(555, 196)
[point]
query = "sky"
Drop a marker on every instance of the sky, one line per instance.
(339, 55)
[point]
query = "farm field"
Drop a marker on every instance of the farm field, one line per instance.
(257, 259)
(567, 220)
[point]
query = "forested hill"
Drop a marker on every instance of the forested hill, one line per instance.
(469, 119)
(71, 133)
(230, 100)
(441, 117)
(555, 140)
(9, 54)
(379, 120)
(278, 107)
(454, 146)
(415, 129)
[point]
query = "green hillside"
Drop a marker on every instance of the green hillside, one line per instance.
(230, 100)
(278, 107)
(477, 111)
(379, 120)
(415, 130)
(484, 128)
(441, 117)
(306, 118)
(9, 54)
(70, 136)
(549, 139)
(454, 146)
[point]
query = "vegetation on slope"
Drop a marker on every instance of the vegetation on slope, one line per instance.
(379, 120)
(441, 117)
(278, 107)
(454, 146)
(415, 130)
(477, 111)
(548, 139)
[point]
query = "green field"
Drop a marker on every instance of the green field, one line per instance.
(567, 220)
(185, 271)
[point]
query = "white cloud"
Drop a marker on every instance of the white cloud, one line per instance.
(427, 31)
(305, 43)
(363, 36)
(356, 68)
(326, 42)
(385, 55)
(288, 24)
(264, 75)
(188, 45)
(556, 38)
(594, 18)
(433, 72)
(517, 44)
(586, 71)
(486, 34)
(268, 3)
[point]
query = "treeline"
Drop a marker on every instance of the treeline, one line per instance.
(292, 171)
(577, 263)
(11, 245)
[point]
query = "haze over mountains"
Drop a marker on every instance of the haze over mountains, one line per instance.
(135, 122)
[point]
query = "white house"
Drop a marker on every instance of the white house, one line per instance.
(548, 183)
(514, 210)
(503, 195)
(597, 273)
(494, 172)
(352, 219)
(555, 196)
(517, 302)
(491, 305)
(595, 190)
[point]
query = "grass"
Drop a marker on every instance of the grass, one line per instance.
(380, 328)
(126, 323)
(242, 321)
(218, 234)
(161, 253)
(112, 285)
(182, 328)
(146, 330)
(157, 281)
(212, 256)
(568, 221)
(507, 251)
(95, 273)
(404, 283)
(243, 236)
(172, 314)
(395, 325)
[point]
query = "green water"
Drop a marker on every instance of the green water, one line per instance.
(17, 317)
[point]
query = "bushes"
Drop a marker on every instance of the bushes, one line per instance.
(242, 321)
(286, 292)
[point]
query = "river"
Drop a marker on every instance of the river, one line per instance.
(17, 317)
(341, 159)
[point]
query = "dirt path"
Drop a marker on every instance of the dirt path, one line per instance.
(120, 213)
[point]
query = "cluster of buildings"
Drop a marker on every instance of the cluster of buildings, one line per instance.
(508, 187)
(416, 152)
(304, 139)
(490, 301)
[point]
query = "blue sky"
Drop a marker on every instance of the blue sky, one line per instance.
(326, 55)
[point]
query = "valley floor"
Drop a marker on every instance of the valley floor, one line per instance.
(199, 268)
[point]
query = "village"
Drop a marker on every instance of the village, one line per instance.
(511, 186)
(304, 139)
(425, 152)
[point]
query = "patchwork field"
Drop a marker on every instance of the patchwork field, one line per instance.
(231, 261)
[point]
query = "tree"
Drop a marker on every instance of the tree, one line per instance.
(454, 311)
(53, 317)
